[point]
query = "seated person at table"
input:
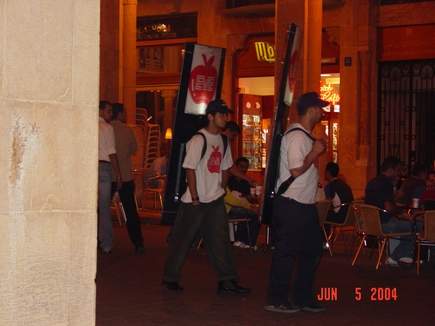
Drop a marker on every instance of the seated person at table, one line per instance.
(428, 197)
(240, 204)
(338, 192)
(380, 192)
(413, 187)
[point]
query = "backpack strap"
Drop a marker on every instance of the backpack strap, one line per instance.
(286, 184)
(300, 129)
(225, 141)
(204, 146)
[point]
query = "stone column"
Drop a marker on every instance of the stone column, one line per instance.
(48, 161)
(168, 99)
(129, 59)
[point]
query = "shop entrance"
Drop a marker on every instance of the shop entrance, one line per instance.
(406, 112)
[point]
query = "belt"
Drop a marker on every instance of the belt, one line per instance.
(102, 161)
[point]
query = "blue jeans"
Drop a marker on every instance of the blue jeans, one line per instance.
(406, 245)
(104, 200)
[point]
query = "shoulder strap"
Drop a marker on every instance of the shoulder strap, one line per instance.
(300, 129)
(204, 145)
(225, 141)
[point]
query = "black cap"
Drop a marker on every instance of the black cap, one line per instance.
(310, 99)
(217, 106)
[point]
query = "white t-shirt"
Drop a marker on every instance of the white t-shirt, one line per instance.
(106, 140)
(295, 146)
(208, 170)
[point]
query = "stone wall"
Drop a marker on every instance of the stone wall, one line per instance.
(49, 71)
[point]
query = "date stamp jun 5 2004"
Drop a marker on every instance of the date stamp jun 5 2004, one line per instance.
(373, 294)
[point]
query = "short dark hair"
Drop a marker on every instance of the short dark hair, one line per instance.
(333, 169)
(103, 104)
(117, 109)
(308, 100)
(241, 160)
(418, 169)
(232, 126)
(391, 162)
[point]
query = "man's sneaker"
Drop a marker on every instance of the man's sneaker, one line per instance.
(172, 286)
(391, 262)
(231, 287)
(406, 260)
(237, 243)
(282, 308)
(313, 307)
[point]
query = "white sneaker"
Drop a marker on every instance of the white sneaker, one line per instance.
(391, 262)
(244, 245)
(237, 244)
(406, 260)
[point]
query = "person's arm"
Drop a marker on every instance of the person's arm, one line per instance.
(319, 147)
(191, 183)
(225, 178)
(133, 143)
(235, 172)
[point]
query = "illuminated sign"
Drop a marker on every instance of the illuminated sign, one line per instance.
(265, 51)
(328, 93)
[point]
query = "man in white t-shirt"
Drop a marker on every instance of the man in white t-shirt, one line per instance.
(295, 224)
(107, 162)
(202, 208)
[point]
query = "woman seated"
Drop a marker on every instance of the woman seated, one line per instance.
(241, 204)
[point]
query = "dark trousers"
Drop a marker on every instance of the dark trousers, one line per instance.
(126, 194)
(297, 240)
(242, 229)
(211, 221)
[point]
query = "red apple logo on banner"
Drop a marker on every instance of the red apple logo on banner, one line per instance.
(203, 79)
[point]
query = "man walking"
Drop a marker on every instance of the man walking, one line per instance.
(295, 221)
(202, 208)
(107, 161)
(126, 146)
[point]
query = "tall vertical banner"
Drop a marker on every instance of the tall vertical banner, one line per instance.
(201, 82)
(285, 98)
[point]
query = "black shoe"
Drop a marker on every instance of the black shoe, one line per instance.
(286, 308)
(139, 250)
(231, 287)
(173, 286)
(312, 307)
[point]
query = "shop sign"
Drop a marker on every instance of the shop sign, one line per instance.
(203, 79)
(265, 51)
(329, 93)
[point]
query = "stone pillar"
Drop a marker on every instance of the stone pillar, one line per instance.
(357, 150)
(48, 161)
(109, 51)
(129, 59)
(168, 115)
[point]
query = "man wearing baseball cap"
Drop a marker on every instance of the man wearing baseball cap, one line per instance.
(295, 222)
(202, 209)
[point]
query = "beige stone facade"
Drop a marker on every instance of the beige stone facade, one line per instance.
(49, 68)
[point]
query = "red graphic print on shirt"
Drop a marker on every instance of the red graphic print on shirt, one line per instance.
(214, 162)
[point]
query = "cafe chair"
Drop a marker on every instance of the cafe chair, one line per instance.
(348, 225)
(427, 238)
(119, 209)
(156, 191)
(368, 223)
(323, 207)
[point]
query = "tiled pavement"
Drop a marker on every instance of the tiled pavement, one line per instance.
(129, 291)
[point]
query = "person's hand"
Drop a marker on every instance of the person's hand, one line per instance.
(319, 146)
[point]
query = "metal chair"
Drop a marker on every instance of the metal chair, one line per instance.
(368, 223)
(348, 225)
(158, 192)
(119, 209)
(428, 236)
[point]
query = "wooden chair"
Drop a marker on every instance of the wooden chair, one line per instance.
(368, 223)
(428, 236)
(348, 225)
